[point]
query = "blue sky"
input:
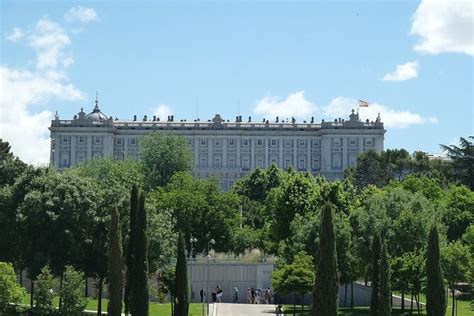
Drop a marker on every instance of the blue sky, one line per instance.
(413, 61)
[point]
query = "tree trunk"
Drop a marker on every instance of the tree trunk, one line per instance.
(99, 297)
(345, 294)
(60, 290)
(417, 300)
(411, 304)
(32, 290)
(294, 305)
(454, 303)
(352, 295)
(391, 299)
(302, 303)
(86, 289)
(21, 278)
(403, 302)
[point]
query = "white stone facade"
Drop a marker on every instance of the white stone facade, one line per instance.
(223, 148)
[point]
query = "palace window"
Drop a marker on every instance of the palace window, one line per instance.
(288, 143)
(231, 142)
(203, 142)
(217, 142)
(302, 143)
(81, 139)
(274, 142)
(133, 141)
(259, 142)
(246, 142)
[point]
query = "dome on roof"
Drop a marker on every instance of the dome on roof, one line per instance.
(96, 114)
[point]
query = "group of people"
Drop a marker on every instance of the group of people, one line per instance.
(256, 296)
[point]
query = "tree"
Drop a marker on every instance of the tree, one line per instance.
(181, 300)
(115, 265)
(134, 196)
(44, 294)
(72, 292)
(10, 291)
(435, 292)
(385, 288)
(10, 168)
(454, 262)
(139, 274)
(376, 254)
(463, 160)
(295, 277)
(372, 169)
(162, 156)
(325, 298)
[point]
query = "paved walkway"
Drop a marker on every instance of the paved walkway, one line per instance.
(226, 309)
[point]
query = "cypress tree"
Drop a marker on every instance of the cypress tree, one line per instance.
(139, 288)
(181, 300)
(435, 292)
(131, 249)
(385, 308)
(115, 266)
(375, 299)
(325, 298)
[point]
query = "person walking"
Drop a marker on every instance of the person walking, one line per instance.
(220, 293)
(236, 295)
(254, 294)
(266, 296)
(249, 296)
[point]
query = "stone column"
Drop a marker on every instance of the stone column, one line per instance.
(125, 147)
(57, 140)
(224, 152)
(210, 150)
(196, 152)
(345, 158)
(280, 153)
(89, 146)
(295, 153)
(73, 151)
(308, 154)
(267, 144)
(252, 153)
(325, 153)
(238, 159)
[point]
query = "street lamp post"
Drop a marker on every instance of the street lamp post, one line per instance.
(192, 240)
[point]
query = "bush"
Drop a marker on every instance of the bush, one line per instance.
(44, 292)
(10, 291)
(72, 293)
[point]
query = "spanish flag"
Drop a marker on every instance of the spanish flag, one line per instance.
(363, 104)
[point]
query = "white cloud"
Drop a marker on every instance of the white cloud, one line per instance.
(295, 105)
(392, 118)
(49, 41)
(25, 127)
(444, 26)
(162, 111)
(15, 35)
(26, 131)
(403, 72)
(81, 14)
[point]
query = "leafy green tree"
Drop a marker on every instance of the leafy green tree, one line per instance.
(454, 262)
(181, 300)
(462, 157)
(10, 291)
(413, 268)
(372, 169)
(11, 168)
(72, 292)
(115, 265)
(44, 294)
(325, 296)
(257, 185)
(458, 206)
(385, 293)
(435, 292)
(375, 279)
(163, 155)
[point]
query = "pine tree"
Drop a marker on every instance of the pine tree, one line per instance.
(181, 300)
(435, 292)
(131, 249)
(325, 297)
(115, 266)
(139, 288)
(385, 308)
(375, 299)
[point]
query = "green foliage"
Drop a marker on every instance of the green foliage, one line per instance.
(259, 183)
(463, 160)
(130, 258)
(372, 169)
(435, 292)
(455, 258)
(72, 292)
(115, 266)
(325, 295)
(163, 155)
(10, 169)
(375, 279)
(10, 291)
(181, 299)
(45, 285)
(295, 277)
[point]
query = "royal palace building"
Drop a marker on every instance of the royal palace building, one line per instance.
(228, 149)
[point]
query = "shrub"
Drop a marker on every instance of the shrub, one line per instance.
(44, 292)
(72, 293)
(10, 290)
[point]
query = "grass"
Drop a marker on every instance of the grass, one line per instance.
(195, 309)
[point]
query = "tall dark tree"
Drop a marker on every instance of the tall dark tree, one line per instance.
(435, 291)
(139, 275)
(181, 300)
(385, 308)
(325, 297)
(131, 247)
(115, 265)
(375, 299)
(463, 160)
